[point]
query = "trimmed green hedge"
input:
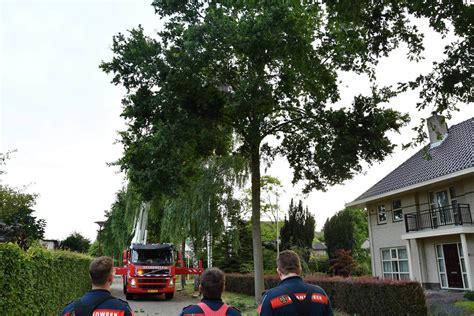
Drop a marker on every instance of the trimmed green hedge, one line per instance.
(362, 296)
(39, 281)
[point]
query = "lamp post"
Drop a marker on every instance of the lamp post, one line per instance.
(101, 225)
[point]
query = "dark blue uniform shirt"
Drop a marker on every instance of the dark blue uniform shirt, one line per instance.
(114, 306)
(213, 304)
(310, 297)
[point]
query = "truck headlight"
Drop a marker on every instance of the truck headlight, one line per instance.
(133, 282)
(171, 284)
(140, 272)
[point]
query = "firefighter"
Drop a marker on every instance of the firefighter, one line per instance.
(293, 296)
(211, 287)
(99, 301)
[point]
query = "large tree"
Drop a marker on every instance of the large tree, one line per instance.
(24, 227)
(17, 222)
(254, 71)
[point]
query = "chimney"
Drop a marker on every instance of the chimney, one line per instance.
(437, 129)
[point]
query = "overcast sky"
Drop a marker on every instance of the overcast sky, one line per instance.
(59, 110)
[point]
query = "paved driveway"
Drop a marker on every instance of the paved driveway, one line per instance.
(154, 305)
(441, 303)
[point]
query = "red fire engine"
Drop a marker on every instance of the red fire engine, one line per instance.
(151, 269)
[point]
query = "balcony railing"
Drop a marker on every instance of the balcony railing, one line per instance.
(442, 216)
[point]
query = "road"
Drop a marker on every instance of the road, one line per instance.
(154, 305)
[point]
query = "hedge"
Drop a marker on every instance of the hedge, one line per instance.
(362, 296)
(39, 281)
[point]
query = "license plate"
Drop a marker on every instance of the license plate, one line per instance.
(152, 291)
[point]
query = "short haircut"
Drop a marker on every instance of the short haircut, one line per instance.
(212, 283)
(289, 262)
(100, 269)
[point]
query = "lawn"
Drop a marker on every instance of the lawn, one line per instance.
(469, 305)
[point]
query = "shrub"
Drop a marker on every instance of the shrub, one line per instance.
(469, 296)
(38, 281)
(319, 264)
(343, 264)
(362, 296)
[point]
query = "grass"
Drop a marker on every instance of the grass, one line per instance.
(246, 304)
(469, 305)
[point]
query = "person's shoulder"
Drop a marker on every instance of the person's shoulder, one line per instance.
(233, 311)
(317, 288)
(191, 309)
(68, 308)
(119, 303)
(278, 290)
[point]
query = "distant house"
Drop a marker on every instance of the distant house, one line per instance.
(365, 245)
(50, 244)
(420, 219)
(320, 249)
(6, 232)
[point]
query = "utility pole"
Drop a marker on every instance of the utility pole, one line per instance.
(99, 237)
(209, 238)
(278, 230)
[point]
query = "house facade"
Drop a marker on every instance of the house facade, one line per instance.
(420, 215)
(319, 249)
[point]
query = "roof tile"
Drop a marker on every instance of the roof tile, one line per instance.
(455, 153)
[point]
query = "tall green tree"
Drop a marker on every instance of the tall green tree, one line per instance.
(251, 70)
(12, 199)
(298, 229)
(20, 225)
(25, 228)
(347, 229)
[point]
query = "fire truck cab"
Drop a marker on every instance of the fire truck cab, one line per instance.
(152, 269)
(149, 269)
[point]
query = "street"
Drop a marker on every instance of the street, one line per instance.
(153, 305)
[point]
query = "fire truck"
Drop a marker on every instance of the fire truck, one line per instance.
(151, 269)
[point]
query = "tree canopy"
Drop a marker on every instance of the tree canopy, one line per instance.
(224, 76)
(76, 242)
(20, 225)
(347, 229)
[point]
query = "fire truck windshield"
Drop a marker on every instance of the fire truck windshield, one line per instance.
(152, 256)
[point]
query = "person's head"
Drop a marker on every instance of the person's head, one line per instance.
(101, 271)
(212, 283)
(288, 262)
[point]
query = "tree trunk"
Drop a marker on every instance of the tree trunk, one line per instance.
(256, 233)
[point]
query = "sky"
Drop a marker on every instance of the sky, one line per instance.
(61, 113)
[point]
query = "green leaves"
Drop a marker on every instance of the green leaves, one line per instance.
(222, 76)
(76, 242)
(40, 282)
(347, 230)
(298, 230)
(25, 228)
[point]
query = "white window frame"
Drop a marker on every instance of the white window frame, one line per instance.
(394, 261)
(396, 210)
(454, 201)
(441, 263)
(379, 213)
